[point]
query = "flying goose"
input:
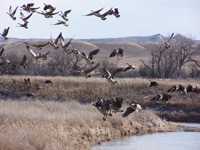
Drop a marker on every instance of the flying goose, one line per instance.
(25, 25)
(118, 52)
(115, 104)
(12, 13)
(37, 56)
(153, 83)
(54, 42)
(29, 7)
(5, 33)
(96, 13)
(88, 58)
(103, 108)
(128, 67)
(110, 76)
(103, 16)
(60, 22)
(25, 18)
(48, 14)
(164, 97)
(64, 15)
(63, 45)
(133, 107)
(38, 46)
(85, 73)
(166, 44)
(49, 6)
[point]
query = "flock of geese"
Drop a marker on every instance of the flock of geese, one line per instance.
(106, 107)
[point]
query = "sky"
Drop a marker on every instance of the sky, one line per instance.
(138, 18)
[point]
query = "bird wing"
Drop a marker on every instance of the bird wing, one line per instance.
(161, 38)
(107, 72)
(68, 43)
(22, 15)
(91, 69)
(26, 18)
(1, 52)
(116, 11)
(67, 12)
(30, 5)
(128, 111)
(31, 51)
(114, 72)
(84, 54)
(94, 52)
(56, 40)
(94, 12)
(120, 51)
(170, 37)
(62, 40)
(113, 53)
(10, 10)
(13, 13)
(23, 61)
(109, 12)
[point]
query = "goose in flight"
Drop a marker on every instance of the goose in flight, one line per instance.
(25, 18)
(38, 46)
(64, 15)
(22, 63)
(5, 33)
(75, 52)
(88, 58)
(115, 104)
(95, 13)
(48, 14)
(164, 96)
(166, 43)
(103, 108)
(54, 42)
(49, 6)
(25, 25)
(118, 53)
(110, 76)
(37, 56)
(133, 107)
(60, 22)
(65, 45)
(85, 73)
(12, 13)
(104, 15)
(29, 7)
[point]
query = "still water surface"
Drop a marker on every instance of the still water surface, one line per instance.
(159, 141)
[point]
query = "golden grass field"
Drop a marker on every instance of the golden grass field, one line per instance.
(61, 115)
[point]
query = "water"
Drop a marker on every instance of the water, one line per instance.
(170, 141)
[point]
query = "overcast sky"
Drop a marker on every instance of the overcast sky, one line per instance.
(138, 18)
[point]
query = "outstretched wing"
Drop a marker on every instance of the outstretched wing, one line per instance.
(22, 15)
(107, 72)
(84, 54)
(22, 63)
(128, 111)
(114, 72)
(68, 43)
(1, 52)
(91, 69)
(94, 52)
(170, 37)
(113, 53)
(31, 51)
(120, 51)
(56, 40)
(10, 10)
(161, 38)
(13, 13)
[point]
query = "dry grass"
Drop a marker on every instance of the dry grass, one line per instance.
(36, 124)
(61, 115)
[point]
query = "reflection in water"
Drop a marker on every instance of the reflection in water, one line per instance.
(169, 141)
